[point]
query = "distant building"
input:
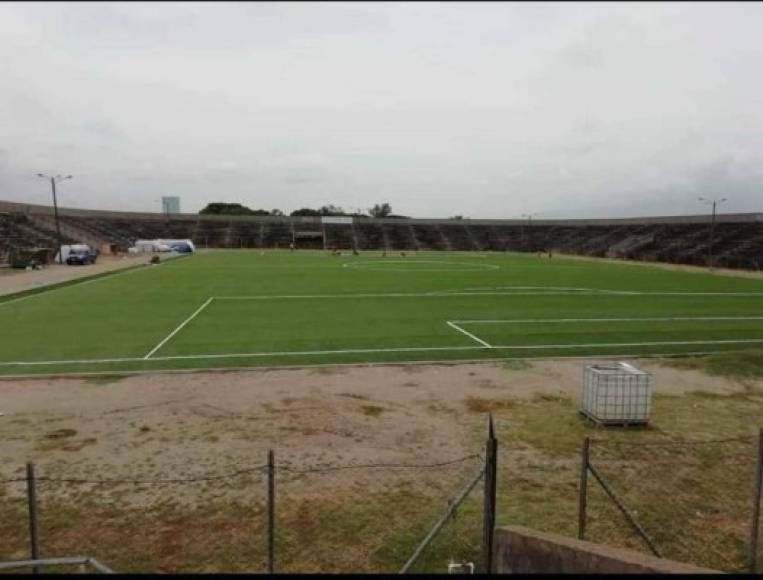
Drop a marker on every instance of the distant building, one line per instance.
(170, 205)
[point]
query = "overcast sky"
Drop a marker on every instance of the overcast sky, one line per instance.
(479, 109)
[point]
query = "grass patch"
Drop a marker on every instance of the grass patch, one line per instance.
(103, 380)
(693, 499)
(353, 396)
(746, 364)
(516, 365)
(372, 410)
(60, 434)
(482, 405)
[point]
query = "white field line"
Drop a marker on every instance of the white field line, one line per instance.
(179, 328)
(469, 334)
(381, 350)
(541, 288)
(449, 294)
(650, 319)
(372, 265)
(421, 362)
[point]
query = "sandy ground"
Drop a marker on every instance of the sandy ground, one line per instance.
(12, 281)
(164, 425)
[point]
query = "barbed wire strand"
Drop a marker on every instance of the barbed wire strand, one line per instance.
(241, 472)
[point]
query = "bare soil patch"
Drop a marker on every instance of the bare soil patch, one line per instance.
(204, 422)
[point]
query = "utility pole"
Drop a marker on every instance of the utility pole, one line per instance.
(529, 217)
(53, 181)
(712, 202)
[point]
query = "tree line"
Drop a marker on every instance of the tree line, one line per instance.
(379, 210)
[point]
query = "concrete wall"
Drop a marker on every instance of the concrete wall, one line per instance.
(521, 550)
(8, 206)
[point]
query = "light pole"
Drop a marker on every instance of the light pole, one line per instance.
(712, 202)
(529, 217)
(53, 181)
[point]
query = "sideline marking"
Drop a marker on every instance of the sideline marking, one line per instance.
(469, 334)
(382, 350)
(449, 293)
(543, 289)
(648, 319)
(179, 328)
(372, 265)
(440, 362)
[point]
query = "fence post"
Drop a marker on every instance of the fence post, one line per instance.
(271, 511)
(753, 555)
(31, 492)
(583, 491)
(488, 518)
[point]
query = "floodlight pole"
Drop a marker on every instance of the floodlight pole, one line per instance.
(529, 217)
(55, 213)
(712, 202)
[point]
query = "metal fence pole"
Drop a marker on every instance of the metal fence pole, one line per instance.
(271, 511)
(753, 555)
(32, 505)
(583, 491)
(623, 510)
(491, 463)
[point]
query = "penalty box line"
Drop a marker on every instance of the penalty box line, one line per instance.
(179, 327)
(634, 319)
(456, 325)
(467, 333)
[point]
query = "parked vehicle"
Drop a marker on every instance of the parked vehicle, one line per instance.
(181, 247)
(81, 256)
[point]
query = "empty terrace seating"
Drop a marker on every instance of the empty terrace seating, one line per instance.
(369, 234)
(737, 244)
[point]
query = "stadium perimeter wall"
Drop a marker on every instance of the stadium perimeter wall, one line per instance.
(26, 208)
(520, 550)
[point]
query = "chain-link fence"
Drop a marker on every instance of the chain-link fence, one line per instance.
(193, 523)
(365, 518)
(278, 515)
(690, 501)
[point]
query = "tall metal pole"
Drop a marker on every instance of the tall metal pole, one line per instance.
(489, 507)
(752, 557)
(583, 490)
(714, 203)
(32, 508)
(712, 238)
(271, 511)
(58, 225)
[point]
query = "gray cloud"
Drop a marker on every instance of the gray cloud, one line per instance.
(481, 109)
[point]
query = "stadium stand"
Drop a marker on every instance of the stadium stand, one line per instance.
(738, 238)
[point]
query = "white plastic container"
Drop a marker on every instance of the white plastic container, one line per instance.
(616, 393)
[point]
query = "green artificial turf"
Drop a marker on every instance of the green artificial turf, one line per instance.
(296, 308)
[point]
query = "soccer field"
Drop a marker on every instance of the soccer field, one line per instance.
(249, 308)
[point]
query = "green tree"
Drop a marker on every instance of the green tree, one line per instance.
(305, 211)
(222, 208)
(380, 211)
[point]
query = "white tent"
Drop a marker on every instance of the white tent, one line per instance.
(151, 246)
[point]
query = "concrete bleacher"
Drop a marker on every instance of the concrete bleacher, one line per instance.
(18, 231)
(738, 238)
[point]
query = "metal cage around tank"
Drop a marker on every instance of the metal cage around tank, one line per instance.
(616, 394)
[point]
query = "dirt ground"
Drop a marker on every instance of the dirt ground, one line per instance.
(164, 425)
(12, 281)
